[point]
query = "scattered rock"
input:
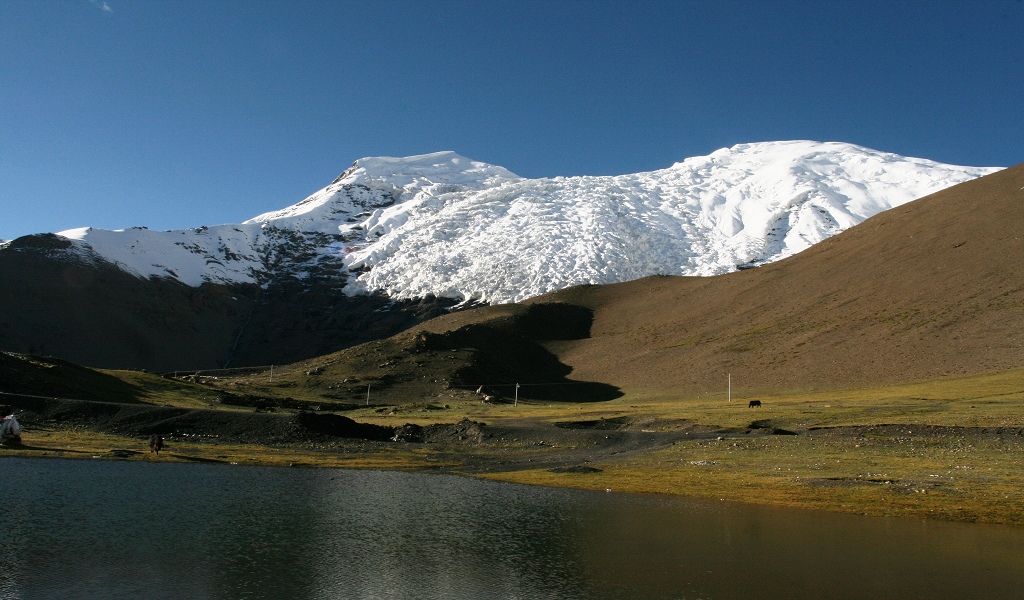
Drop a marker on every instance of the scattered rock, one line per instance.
(613, 424)
(463, 432)
(575, 469)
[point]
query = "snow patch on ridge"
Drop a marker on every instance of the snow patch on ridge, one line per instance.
(377, 182)
(749, 204)
(221, 254)
(446, 225)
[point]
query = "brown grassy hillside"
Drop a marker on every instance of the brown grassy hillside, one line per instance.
(929, 289)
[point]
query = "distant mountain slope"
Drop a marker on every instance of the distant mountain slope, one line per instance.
(38, 376)
(55, 301)
(441, 224)
(394, 241)
(933, 288)
(929, 289)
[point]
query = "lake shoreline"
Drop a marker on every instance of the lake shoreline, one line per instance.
(161, 528)
(911, 471)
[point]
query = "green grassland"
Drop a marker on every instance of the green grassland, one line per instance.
(961, 478)
(950, 448)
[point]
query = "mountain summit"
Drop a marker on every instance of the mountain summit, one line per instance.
(393, 242)
(443, 225)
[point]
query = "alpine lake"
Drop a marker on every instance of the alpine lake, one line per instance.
(81, 529)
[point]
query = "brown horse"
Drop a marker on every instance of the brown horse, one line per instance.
(156, 443)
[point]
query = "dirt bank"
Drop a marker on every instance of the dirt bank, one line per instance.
(925, 471)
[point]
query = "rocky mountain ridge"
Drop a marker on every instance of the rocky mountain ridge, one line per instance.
(444, 225)
(395, 241)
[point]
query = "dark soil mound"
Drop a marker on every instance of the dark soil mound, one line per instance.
(138, 420)
(575, 469)
(765, 426)
(338, 426)
(602, 424)
(464, 432)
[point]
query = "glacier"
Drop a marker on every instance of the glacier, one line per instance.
(441, 224)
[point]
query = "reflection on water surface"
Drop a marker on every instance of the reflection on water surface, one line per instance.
(79, 529)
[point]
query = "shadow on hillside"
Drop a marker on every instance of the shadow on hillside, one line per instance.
(509, 351)
(47, 376)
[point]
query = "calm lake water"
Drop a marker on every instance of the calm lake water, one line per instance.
(99, 529)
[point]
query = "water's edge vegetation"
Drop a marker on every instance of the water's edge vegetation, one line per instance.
(948, 449)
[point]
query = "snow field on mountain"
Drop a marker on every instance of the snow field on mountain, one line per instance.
(753, 203)
(219, 254)
(445, 225)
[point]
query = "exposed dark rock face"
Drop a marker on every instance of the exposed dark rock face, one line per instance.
(293, 320)
(56, 300)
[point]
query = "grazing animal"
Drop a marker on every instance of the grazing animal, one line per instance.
(754, 404)
(156, 443)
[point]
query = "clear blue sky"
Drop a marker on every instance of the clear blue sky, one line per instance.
(173, 114)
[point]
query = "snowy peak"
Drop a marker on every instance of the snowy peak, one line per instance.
(377, 182)
(442, 224)
(764, 201)
(425, 170)
(740, 206)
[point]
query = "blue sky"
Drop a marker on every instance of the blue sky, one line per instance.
(172, 114)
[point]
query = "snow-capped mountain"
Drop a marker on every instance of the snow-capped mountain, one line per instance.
(452, 227)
